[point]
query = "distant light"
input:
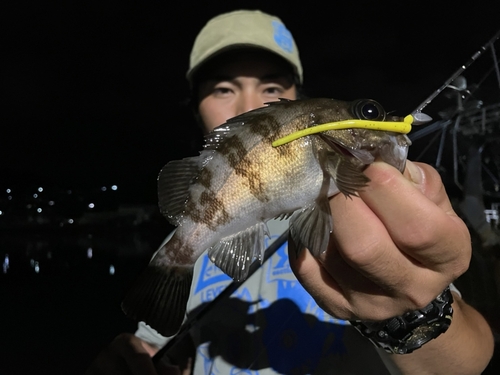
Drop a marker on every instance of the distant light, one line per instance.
(35, 195)
(49, 255)
(111, 270)
(9, 197)
(70, 221)
(35, 265)
(51, 203)
(40, 189)
(492, 216)
(1, 212)
(8, 191)
(114, 187)
(38, 210)
(89, 253)
(6, 263)
(91, 205)
(103, 188)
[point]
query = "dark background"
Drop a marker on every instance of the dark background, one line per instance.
(94, 94)
(94, 91)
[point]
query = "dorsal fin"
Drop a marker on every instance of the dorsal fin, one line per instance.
(284, 216)
(234, 124)
(220, 133)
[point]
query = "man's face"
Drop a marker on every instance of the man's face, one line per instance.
(239, 82)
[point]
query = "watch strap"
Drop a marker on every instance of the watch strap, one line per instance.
(408, 332)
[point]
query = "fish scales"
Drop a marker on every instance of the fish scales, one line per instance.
(246, 167)
(221, 200)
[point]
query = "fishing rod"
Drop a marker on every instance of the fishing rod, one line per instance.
(489, 45)
(195, 317)
(459, 71)
(472, 119)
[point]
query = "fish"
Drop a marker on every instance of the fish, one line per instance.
(220, 200)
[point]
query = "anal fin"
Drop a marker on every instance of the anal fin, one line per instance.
(234, 254)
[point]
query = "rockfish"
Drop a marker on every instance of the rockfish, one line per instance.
(220, 200)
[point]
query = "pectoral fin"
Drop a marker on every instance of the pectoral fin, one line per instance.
(235, 254)
(311, 226)
(346, 172)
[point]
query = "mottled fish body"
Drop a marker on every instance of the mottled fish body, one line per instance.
(220, 200)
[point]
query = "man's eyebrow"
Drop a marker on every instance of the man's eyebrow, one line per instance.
(265, 77)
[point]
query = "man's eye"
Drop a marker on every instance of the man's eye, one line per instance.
(221, 90)
(273, 90)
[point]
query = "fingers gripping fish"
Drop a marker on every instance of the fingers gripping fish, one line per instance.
(221, 200)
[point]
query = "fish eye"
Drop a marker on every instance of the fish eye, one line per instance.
(367, 109)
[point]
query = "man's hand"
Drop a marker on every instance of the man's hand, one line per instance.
(393, 249)
(128, 355)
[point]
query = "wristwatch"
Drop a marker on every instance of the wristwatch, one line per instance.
(406, 333)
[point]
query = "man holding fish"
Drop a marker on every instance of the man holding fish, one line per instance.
(364, 282)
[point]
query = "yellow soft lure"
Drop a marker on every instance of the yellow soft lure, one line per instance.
(403, 127)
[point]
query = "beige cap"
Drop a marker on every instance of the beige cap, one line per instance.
(244, 28)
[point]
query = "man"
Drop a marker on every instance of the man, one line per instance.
(392, 250)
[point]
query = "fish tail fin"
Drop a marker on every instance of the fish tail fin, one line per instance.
(159, 297)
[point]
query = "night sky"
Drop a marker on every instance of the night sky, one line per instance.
(94, 91)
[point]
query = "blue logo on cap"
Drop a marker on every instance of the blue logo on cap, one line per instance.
(282, 36)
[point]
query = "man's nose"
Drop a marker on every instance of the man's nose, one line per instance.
(247, 102)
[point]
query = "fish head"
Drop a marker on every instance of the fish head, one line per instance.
(364, 143)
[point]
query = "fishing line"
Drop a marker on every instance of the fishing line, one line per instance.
(495, 62)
